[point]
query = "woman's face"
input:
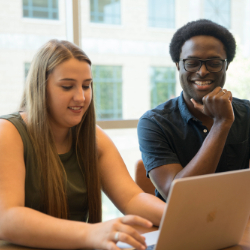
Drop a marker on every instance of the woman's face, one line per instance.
(69, 93)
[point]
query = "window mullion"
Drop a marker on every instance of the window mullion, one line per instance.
(76, 22)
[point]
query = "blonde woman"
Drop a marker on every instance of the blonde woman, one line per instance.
(54, 161)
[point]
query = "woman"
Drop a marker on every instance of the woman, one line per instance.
(54, 161)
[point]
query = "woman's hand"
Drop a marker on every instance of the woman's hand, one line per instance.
(105, 235)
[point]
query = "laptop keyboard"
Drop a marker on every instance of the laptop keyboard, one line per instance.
(150, 247)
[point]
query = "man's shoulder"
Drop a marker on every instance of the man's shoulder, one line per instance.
(243, 102)
(241, 105)
(241, 110)
(164, 110)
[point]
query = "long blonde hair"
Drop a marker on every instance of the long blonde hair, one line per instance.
(34, 103)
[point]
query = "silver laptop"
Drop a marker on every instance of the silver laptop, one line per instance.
(203, 212)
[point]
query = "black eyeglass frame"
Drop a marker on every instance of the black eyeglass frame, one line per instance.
(201, 63)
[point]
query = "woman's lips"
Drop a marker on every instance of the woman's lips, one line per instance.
(75, 109)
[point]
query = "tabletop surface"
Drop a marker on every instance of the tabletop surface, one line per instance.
(243, 245)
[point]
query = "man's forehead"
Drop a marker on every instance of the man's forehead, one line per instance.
(203, 47)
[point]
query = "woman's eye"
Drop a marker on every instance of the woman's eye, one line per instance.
(85, 86)
(67, 87)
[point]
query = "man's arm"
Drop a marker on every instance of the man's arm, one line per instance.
(204, 162)
(217, 105)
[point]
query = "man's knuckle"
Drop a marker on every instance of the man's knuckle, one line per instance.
(209, 98)
(216, 99)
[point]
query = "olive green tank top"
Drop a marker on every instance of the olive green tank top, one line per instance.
(76, 188)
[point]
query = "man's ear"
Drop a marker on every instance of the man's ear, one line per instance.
(177, 65)
(227, 66)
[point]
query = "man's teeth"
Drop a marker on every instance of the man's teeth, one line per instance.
(75, 108)
(202, 83)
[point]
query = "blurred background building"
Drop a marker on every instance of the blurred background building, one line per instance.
(128, 43)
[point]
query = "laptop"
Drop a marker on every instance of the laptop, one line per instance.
(203, 212)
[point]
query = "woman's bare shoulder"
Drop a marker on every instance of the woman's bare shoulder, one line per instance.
(6, 125)
(8, 132)
(102, 139)
(100, 132)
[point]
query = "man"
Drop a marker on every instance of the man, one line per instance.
(204, 130)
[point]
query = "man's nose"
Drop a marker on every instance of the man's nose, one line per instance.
(203, 70)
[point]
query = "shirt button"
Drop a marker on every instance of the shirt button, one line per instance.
(205, 130)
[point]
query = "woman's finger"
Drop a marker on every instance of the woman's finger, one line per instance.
(136, 220)
(126, 238)
(129, 231)
(111, 246)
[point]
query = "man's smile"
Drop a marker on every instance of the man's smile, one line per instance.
(202, 83)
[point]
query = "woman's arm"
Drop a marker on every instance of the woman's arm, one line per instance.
(25, 226)
(119, 186)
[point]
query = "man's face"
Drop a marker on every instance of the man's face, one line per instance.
(198, 84)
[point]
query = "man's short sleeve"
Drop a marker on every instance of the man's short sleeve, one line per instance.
(154, 144)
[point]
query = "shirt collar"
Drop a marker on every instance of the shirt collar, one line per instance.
(185, 113)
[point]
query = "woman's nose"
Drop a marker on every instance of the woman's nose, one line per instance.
(79, 95)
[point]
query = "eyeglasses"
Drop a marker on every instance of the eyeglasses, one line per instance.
(212, 65)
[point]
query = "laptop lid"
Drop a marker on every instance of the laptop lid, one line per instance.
(204, 212)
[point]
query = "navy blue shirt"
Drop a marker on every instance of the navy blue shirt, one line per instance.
(171, 134)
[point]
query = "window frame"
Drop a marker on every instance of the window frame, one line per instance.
(114, 80)
(50, 10)
(96, 15)
(154, 82)
(76, 39)
(218, 15)
(171, 23)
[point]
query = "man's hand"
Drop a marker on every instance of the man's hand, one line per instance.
(217, 105)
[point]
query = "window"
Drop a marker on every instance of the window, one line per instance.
(161, 13)
(105, 11)
(26, 70)
(162, 84)
(44, 9)
(108, 92)
(218, 11)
